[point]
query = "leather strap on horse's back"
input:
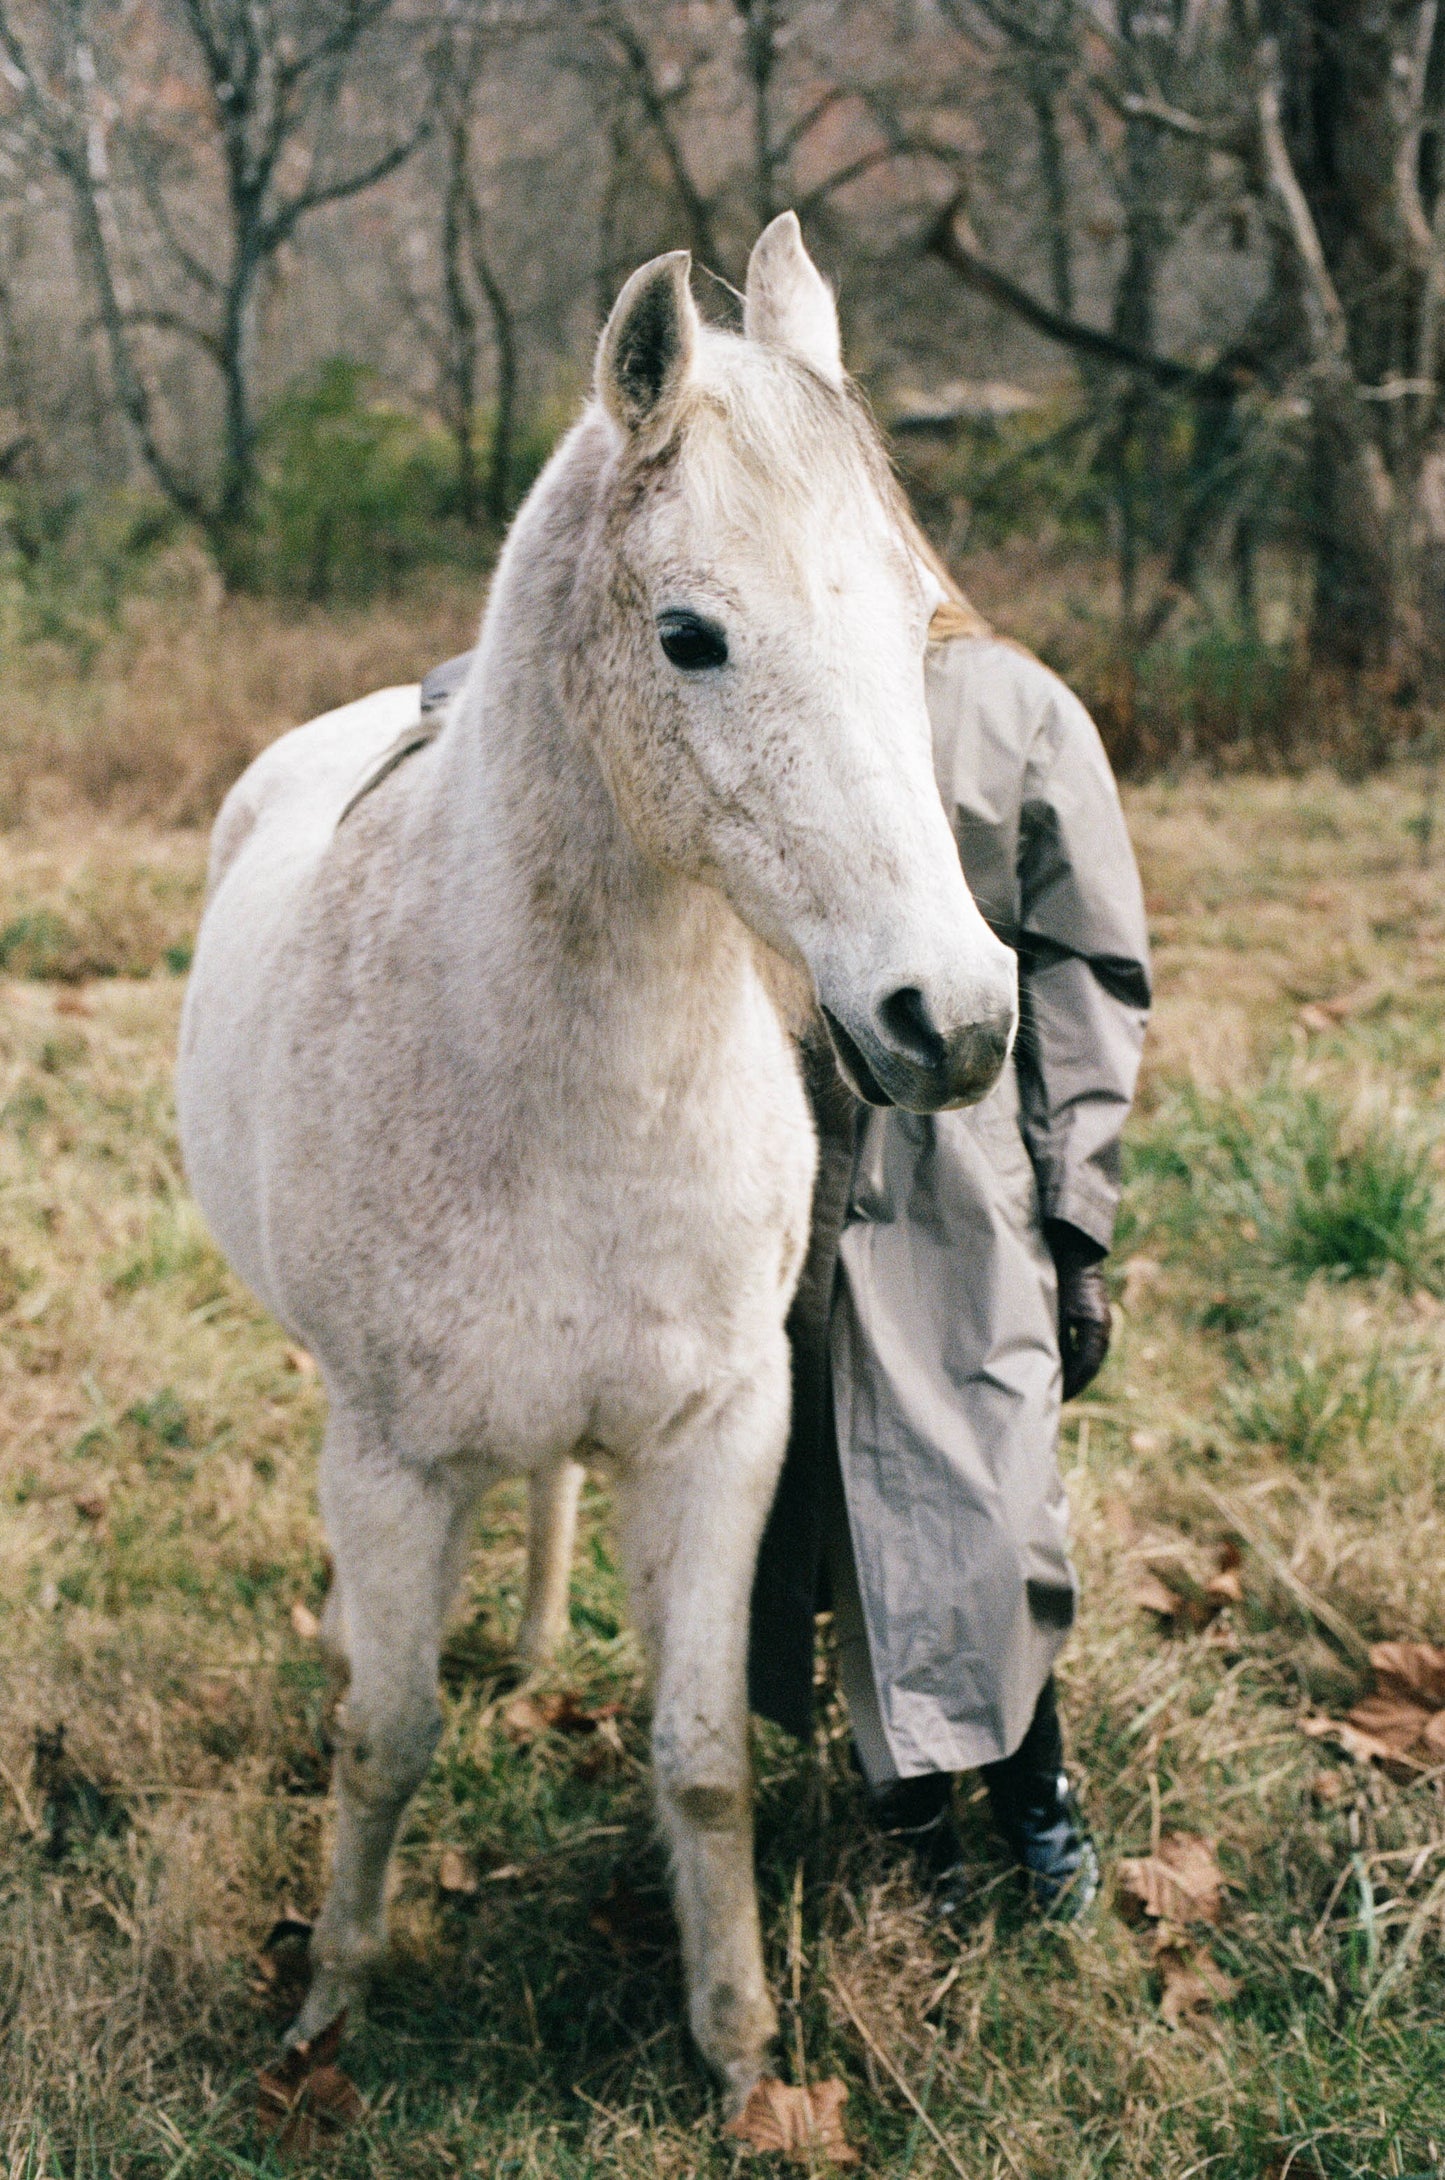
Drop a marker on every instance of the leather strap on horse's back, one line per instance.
(437, 691)
(442, 683)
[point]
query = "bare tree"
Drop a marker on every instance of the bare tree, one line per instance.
(1326, 119)
(259, 151)
(751, 105)
(469, 273)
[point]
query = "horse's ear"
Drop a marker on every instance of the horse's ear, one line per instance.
(645, 355)
(788, 303)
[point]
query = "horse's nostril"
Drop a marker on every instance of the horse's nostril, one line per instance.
(908, 1026)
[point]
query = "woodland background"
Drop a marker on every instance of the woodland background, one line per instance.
(1148, 291)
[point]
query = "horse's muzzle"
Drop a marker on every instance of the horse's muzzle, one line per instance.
(901, 1057)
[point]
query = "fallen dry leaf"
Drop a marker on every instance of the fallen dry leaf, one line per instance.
(456, 1871)
(803, 2123)
(1401, 1723)
(1146, 1441)
(1226, 1587)
(1363, 1748)
(1179, 1591)
(307, 2097)
(1415, 1671)
(527, 1718)
(1190, 1982)
(1152, 1595)
(605, 1752)
(305, 1622)
(1178, 1884)
(90, 1505)
(1394, 1723)
(1318, 1015)
(524, 1720)
(297, 1359)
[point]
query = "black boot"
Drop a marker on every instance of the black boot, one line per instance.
(1034, 1808)
(918, 1815)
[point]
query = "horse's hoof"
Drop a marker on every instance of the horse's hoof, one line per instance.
(737, 2084)
(333, 1992)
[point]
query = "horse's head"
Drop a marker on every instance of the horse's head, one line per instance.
(750, 647)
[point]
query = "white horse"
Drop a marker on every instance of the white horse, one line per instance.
(482, 1083)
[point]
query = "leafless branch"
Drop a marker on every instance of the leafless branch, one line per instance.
(283, 221)
(657, 108)
(944, 241)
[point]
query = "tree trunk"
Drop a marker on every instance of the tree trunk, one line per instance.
(498, 495)
(1344, 121)
(460, 367)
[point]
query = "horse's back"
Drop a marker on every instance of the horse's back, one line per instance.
(273, 830)
(297, 789)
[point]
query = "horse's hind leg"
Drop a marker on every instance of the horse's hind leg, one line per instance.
(398, 1538)
(552, 1496)
(690, 1525)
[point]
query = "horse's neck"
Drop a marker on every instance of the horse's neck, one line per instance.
(593, 941)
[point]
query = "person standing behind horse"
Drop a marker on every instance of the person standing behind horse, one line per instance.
(952, 1295)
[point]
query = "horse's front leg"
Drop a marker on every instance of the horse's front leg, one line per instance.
(691, 1520)
(398, 1539)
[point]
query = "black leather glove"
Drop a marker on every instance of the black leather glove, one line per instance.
(1085, 1319)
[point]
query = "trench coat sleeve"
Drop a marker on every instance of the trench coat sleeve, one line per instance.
(1072, 907)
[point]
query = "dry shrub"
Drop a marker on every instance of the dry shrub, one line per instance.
(1206, 693)
(193, 683)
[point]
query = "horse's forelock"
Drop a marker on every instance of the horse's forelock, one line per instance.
(764, 427)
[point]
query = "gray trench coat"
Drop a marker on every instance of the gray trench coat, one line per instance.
(925, 1342)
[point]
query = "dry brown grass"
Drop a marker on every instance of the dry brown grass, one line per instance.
(157, 1526)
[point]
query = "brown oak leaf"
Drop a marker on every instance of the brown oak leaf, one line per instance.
(1180, 1883)
(804, 2124)
(307, 2097)
(1363, 1747)
(1396, 1724)
(1190, 1982)
(1226, 1587)
(1413, 1671)
(1401, 1723)
(527, 1718)
(1153, 1595)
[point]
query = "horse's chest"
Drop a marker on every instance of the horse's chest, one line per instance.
(521, 1289)
(644, 1282)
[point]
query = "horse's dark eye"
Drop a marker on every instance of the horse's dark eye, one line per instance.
(691, 642)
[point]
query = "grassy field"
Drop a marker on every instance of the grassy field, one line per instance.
(1277, 1385)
